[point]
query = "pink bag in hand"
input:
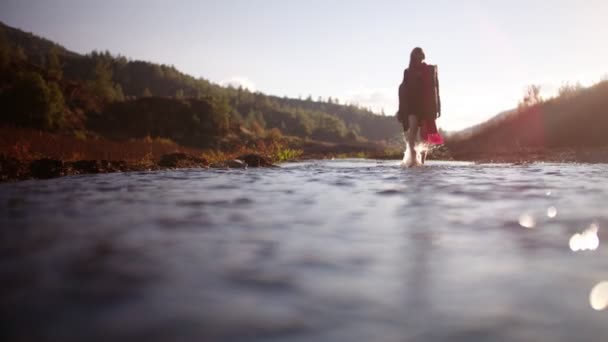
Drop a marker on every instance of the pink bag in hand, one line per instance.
(430, 134)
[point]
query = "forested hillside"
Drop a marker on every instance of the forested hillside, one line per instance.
(577, 118)
(45, 86)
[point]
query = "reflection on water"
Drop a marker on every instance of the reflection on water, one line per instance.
(552, 212)
(345, 250)
(599, 296)
(527, 221)
(587, 240)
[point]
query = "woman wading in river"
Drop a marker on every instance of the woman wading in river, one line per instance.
(419, 104)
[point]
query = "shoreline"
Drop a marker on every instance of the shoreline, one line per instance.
(13, 169)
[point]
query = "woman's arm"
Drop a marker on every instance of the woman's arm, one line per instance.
(402, 99)
(437, 90)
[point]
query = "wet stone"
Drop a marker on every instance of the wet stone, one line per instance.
(236, 164)
(230, 164)
(46, 168)
(11, 168)
(86, 166)
(255, 160)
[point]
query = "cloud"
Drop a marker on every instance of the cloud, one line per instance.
(238, 81)
(377, 99)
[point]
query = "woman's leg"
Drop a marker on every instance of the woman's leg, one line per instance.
(424, 147)
(405, 125)
(411, 135)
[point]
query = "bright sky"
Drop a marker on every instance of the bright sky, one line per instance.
(487, 51)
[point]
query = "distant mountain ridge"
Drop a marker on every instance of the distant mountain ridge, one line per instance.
(117, 78)
(34, 46)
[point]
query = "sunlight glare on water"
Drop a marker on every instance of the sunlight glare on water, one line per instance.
(598, 298)
(527, 221)
(551, 212)
(585, 241)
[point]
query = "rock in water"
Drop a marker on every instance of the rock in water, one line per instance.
(229, 164)
(255, 160)
(236, 164)
(113, 165)
(46, 168)
(12, 169)
(86, 166)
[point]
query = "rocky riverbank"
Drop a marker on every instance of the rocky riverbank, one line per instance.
(12, 169)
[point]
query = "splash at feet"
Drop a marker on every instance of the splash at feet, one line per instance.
(414, 158)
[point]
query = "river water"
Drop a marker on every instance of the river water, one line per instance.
(349, 250)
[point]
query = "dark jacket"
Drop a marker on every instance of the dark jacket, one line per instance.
(419, 94)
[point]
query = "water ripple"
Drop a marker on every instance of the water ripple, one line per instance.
(323, 250)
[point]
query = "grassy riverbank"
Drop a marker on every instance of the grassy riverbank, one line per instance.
(29, 153)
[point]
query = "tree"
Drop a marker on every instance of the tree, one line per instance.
(531, 97)
(102, 85)
(118, 93)
(30, 102)
(146, 93)
(54, 67)
(103, 78)
(19, 54)
(220, 113)
(4, 52)
(569, 90)
(55, 116)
